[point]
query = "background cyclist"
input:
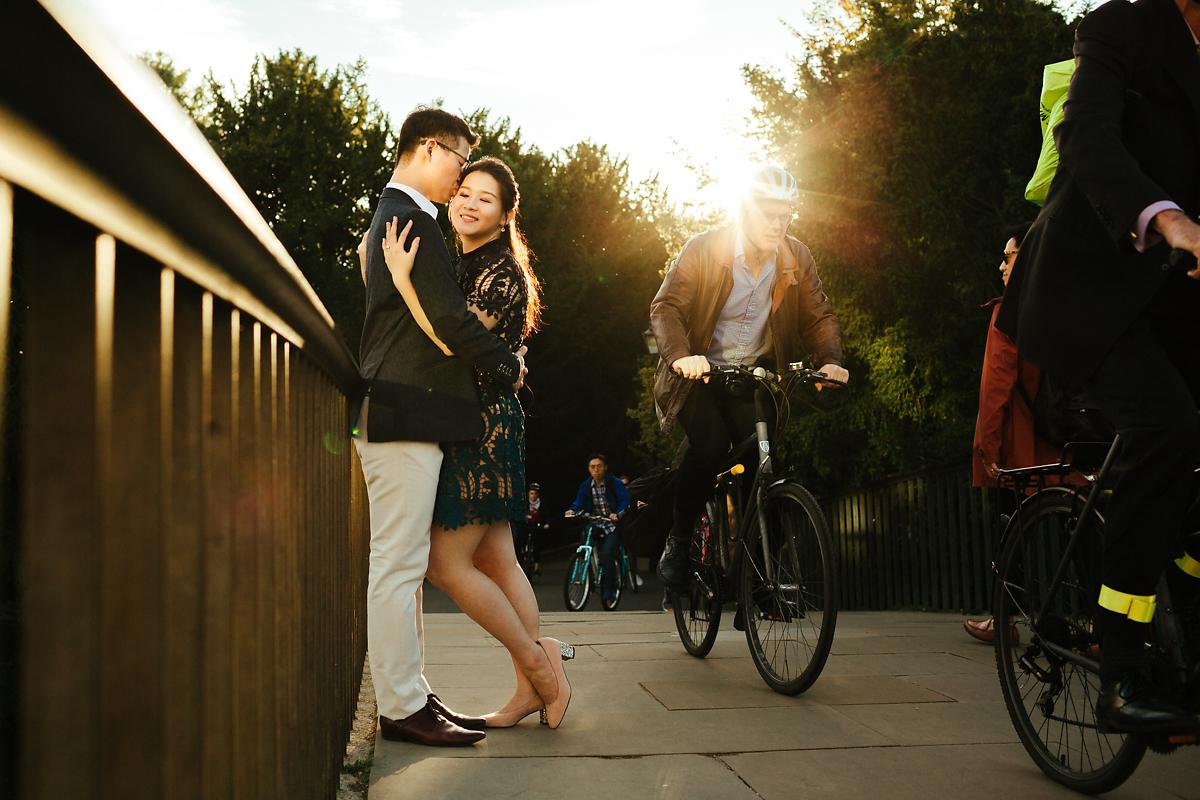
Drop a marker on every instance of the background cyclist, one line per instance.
(605, 496)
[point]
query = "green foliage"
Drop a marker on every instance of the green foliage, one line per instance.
(912, 127)
(312, 150)
(176, 81)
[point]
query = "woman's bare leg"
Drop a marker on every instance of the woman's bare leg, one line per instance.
(452, 569)
(497, 559)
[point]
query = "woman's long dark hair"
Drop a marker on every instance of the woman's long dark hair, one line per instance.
(510, 202)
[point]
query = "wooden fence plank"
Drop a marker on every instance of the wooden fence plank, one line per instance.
(60, 634)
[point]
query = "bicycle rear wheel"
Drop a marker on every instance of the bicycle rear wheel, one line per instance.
(1050, 697)
(629, 571)
(698, 607)
(578, 583)
(790, 602)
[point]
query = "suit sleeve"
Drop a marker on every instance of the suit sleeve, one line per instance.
(671, 308)
(1090, 136)
(444, 304)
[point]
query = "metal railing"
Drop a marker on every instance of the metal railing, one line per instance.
(184, 524)
(922, 541)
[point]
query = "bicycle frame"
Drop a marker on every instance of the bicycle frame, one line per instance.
(1165, 625)
(764, 477)
(589, 550)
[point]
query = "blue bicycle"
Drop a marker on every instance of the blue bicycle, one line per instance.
(585, 570)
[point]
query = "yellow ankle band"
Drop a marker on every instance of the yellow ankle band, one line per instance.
(1138, 607)
(1189, 565)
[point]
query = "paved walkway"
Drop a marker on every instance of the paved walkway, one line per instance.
(907, 707)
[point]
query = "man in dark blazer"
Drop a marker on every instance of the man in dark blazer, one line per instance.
(1094, 301)
(417, 397)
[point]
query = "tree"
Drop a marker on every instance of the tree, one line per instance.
(912, 127)
(311, 149)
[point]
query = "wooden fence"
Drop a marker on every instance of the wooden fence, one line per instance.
(185, 530)
(924, 541)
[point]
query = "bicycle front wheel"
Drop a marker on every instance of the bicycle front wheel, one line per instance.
(789, 597)
(578, 583)
(698, 606)
(1048, 688)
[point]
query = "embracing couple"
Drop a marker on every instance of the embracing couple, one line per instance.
(441, 434)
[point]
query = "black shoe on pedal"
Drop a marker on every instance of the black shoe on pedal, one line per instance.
(1132, 706)
(674, 565)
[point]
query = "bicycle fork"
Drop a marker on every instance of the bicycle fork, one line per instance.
(765, 471)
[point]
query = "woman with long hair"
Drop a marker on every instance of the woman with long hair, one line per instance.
(481, 489)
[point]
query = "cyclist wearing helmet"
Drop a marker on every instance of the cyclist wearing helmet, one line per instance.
(742, 294)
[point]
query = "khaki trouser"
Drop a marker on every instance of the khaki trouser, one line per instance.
(402, 480)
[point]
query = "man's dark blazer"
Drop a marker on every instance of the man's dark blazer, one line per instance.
(417, 393)
(1130, 137)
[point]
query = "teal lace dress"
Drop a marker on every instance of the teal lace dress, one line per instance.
(484, 481)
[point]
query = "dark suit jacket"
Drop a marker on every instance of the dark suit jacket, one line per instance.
(1130, 137)
(417, 393)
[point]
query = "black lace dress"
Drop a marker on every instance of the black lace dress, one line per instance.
(484, 481)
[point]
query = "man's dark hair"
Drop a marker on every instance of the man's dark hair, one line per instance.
(432, 123)
(1017, 232)
(600, 456)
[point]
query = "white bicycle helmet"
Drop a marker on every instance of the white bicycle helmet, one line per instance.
(773, 183)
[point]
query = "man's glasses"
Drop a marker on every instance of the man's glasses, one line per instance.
(784, 218)
(462, 160)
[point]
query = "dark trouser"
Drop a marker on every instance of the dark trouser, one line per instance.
(714, 419)
(609, 555)
(1148, 386)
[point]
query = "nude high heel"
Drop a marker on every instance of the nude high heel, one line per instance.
(507, 720)
(557, 652)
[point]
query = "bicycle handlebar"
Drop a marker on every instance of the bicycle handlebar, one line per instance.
(586, 517)
(796, 368)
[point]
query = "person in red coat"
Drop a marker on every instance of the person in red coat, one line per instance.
(1004, 434)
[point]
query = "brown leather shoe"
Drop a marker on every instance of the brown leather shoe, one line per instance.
(427, 727)
(984, 630)
(470, 723)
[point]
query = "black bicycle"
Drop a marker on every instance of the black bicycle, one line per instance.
(1047, 651)
(526, 547)
(768, 548)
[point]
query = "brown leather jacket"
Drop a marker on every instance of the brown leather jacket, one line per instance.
(684, 312)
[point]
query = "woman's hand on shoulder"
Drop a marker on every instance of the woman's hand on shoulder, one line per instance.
(400, 259)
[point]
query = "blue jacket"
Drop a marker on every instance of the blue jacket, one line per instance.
(618, 496)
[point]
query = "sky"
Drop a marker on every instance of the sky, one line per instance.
(658, 81)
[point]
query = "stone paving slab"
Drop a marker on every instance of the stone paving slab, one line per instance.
(918, 773)
(907, 707)
(829, 690)
(691, 777)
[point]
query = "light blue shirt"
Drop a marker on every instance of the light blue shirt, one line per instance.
(741, 335)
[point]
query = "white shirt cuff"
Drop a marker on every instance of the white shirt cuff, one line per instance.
(1144, 236)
